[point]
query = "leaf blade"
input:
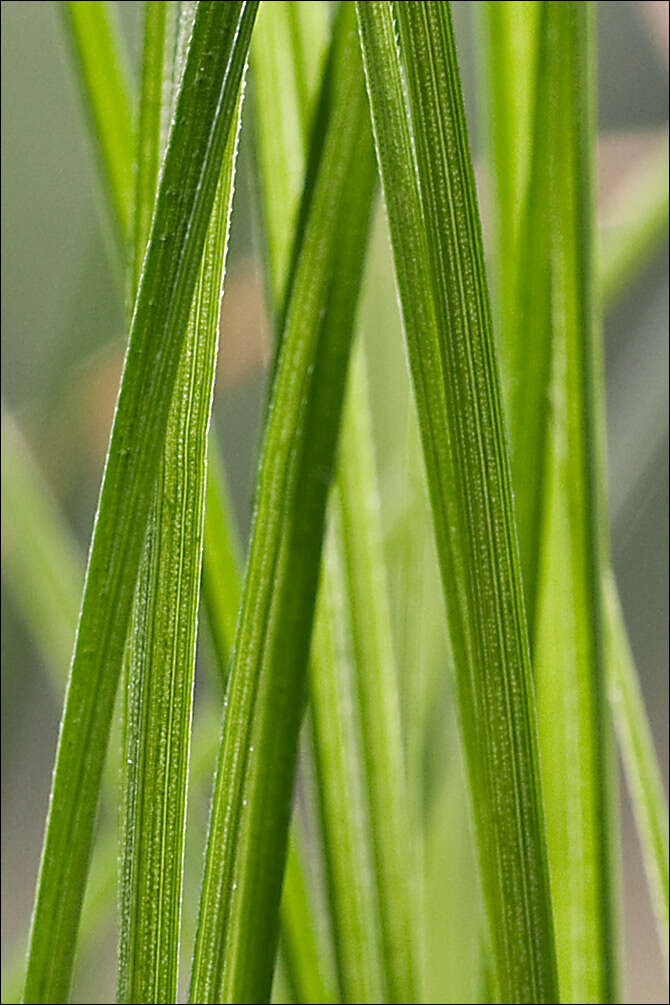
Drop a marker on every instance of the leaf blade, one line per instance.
(202, 122)
(524, 950)
(233, 956)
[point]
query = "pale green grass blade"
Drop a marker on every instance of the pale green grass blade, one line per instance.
(571, 642)
(157, 54)
(104, 78)
(635, 224)
(300, 955)
(639, 759)
(42, 563)
(221, 561)
(339, 767)
(431, 206)
(236, 939)
(507, 36)
(286, 60)
(202, 122)
(376, 682)
(161, 653)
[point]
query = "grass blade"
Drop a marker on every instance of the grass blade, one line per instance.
(94, 35)
(376, 681)
(507, 36)
(641, 212)
(286, 60)
(436, 241)
(339, 768)
(571, 678)
(236, 938)
(202, 122)
(353, 689)
(163, 632)
(41, 560)
(162, 653)
(639, 759)
(221, 553)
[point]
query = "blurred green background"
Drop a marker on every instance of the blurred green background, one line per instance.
(62, 348)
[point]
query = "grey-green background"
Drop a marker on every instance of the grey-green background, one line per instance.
(62, 344)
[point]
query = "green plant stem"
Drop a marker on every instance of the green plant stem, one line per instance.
(431, 206)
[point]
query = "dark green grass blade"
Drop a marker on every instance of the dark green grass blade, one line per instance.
(237, 931)
(440, 274)
(94, 35)
(202, 122)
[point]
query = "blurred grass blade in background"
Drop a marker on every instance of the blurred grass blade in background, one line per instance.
(639, 759)
(105, 82)
(200, 130)
(236, 939)
(431, 206)
(634, 224)
(42, 565)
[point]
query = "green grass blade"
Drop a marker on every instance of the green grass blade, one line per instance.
(637, 219)
(639, 759)
(203, 116)
(221, 552)
(300, 951)
(340, 771)
(571, 676)
(236, 938)
(164, 625)
(94, 35)
(376, 680)
(157, 57)
(221, 561)
(358, 754)
(286, 60)
(162, 652)
(436, 241)
(507, 36)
